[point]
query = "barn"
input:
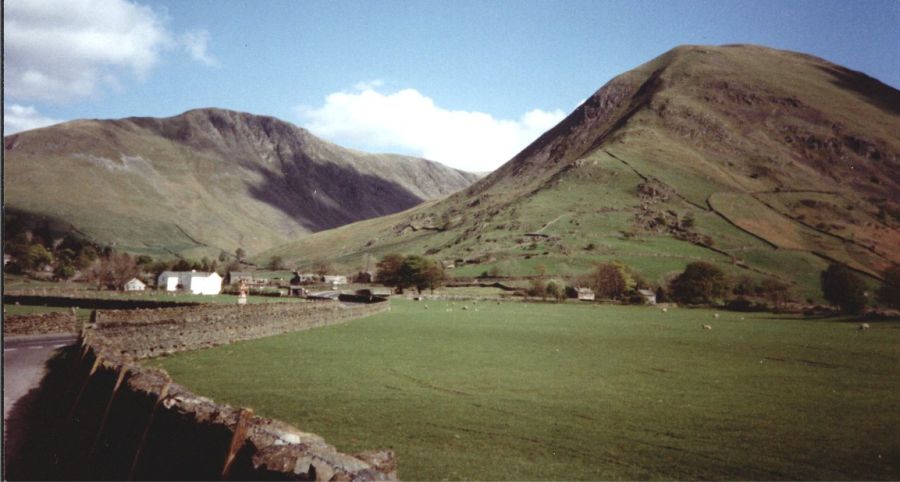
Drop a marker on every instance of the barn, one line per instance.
(198, 283)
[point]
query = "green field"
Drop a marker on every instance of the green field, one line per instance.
(525, 391)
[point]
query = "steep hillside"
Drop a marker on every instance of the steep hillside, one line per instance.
(767, 162)
(207, 180)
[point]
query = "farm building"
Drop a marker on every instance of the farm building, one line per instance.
(135, 284)
(335, 280)
(197, 283)
(649, 296)
(236, 277)
(305, 278)
(585, 294)
(6, 259)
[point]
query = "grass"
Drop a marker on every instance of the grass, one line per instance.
(527, 391)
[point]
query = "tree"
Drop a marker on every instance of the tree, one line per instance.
(410, 271)
(775, 291)
(64, 271)
(844, 289)
(538, 288)
(36, 257)
(889, 292)
(144, 260)
(388, 271)
(610, 281)
(555, 291)
(700, 283)
(240, 253)
(431, 275)
(182, 265)
(113, 270)
(276, 263)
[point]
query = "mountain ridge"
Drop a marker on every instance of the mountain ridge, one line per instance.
(265, 179)
(768, 161)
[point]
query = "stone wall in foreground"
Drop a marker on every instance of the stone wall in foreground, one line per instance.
(40, 323)
(111, 418)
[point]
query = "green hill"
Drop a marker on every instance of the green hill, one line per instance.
(205, 181)
(765, 162)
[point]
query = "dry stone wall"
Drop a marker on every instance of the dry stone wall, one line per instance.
(115, 419)
(40, 324)
(148, 333)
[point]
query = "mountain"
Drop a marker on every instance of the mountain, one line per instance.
(206, 180)
(766, 162)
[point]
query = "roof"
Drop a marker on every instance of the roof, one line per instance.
(132, 280)
(200, 274)
(584, 290)
(646, 292)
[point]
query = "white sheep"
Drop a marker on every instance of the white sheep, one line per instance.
(665, 310)
(716, 316)
(707, 327)
(465, 307)
(863, 327)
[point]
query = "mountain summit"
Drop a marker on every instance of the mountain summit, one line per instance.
(207, 180)
(768, 162)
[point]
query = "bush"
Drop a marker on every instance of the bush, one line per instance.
(700, 283)
(843, 288)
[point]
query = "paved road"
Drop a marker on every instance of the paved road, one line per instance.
(23, 363)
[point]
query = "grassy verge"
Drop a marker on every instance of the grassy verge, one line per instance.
(539, 391)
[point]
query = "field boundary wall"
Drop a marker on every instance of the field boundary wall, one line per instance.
(117, 419)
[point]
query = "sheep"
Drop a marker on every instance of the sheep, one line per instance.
(665, 310)
(716, 316)
(426, 307)
(465, 307)
(707, 327)
(863, 327)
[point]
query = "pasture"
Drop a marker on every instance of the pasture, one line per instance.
(528, 391)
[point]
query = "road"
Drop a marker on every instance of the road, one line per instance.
(23, 364)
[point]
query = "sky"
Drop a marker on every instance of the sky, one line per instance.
(465, 83)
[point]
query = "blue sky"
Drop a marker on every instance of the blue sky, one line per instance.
(465, 83)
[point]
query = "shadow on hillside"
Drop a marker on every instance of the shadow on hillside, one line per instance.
(324, 196)
(877, 93)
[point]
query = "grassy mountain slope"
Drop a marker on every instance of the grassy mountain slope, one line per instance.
(207, 180)
(766, 162)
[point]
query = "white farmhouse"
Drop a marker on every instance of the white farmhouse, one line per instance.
(197, 283)
(135, 284)
(335, 280)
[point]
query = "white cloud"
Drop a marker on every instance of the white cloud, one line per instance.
(410, 122)
(196, 43)
(17, 118)
(63, 51)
